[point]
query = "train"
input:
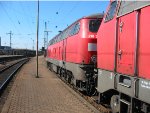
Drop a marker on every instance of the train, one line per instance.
(113, 61)
(123, 57)
(72, 53)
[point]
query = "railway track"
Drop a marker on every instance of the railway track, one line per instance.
(91, 100)
(7, 72)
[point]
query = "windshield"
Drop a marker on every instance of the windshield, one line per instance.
(94, 25)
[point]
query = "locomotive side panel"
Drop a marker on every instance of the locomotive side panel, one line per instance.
(106, 50)
(144, 55)
(106, 41)
(71, 48)
(105, 46)
(55, 51)
(144, 37)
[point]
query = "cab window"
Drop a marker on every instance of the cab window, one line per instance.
(129, 6)
(75, 29)
(111, 12)
(94, 25)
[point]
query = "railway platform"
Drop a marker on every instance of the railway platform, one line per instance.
(46, 94)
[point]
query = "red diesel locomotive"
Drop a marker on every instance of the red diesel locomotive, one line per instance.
(123, 57)
(72, 53)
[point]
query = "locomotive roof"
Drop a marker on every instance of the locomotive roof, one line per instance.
(98, 15)
(94, 16)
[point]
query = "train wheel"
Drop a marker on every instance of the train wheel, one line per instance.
(60, 72)
(69, 77)
(115, 103)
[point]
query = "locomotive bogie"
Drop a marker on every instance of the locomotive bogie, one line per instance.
(131, 93)
(78, 71)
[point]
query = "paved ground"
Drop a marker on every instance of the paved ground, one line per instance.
(47, 94)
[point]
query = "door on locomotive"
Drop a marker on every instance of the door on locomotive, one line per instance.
(126, 43)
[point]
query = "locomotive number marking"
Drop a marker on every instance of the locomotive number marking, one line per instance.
(145, 84)
(91, 36)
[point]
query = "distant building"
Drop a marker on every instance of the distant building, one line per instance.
(5, 47)
(5, 50)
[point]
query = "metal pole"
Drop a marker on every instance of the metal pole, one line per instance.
(37, 75)
(10, 33)
(10, 39)
(47, 40)
(33, 44)
(0, 41)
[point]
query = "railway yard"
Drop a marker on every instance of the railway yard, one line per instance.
(46, 94)
(93, 63)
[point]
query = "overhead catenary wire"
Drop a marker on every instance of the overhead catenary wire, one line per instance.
(70, 12)
(18, 20)
(10, 19)
(16, 16)
(26, 16)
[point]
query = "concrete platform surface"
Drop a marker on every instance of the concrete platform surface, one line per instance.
(47, 94)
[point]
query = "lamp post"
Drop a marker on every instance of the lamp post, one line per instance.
(37, 75)
(10, 33)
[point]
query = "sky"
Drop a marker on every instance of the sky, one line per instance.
(20, 17)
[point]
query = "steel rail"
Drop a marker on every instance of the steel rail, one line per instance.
(10, 65)
(10, 75)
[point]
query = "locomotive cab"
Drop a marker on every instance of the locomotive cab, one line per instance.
(87, 48)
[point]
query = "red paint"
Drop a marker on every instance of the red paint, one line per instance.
(126, 43)
(144, 44)
(75, 48)
(105, 45)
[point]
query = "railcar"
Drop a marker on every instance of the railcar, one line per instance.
(72, 53)
(123, 57)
